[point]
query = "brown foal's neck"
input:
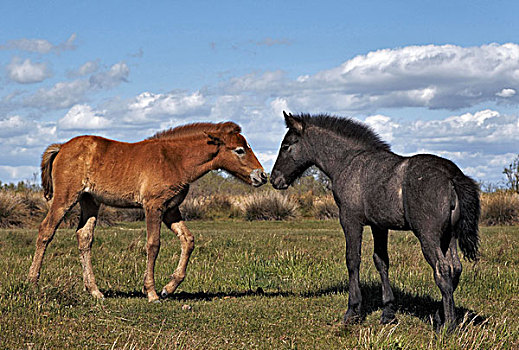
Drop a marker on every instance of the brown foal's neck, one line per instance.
(193, 154)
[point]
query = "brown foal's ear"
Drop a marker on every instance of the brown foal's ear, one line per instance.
(293, 123)
(230, 128)
(213, 139)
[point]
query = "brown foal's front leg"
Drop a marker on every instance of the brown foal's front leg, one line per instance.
(85, 237)
(173, 220)
(153, 222)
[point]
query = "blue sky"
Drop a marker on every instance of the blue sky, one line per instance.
(439, 77)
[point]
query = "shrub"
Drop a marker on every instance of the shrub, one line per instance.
(125, 214)
(221, 206)
(499, 208)
(325, 208)
(305, 203)
(269, 206)
(35, 204)
(193, 208)
(13, 212)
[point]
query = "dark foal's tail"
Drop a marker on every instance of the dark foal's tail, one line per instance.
(466, 228)
(46, 169)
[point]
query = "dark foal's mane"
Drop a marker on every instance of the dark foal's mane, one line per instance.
(196, 129)
(347, 128)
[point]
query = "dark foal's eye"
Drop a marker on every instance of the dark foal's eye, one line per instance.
(285, 147)
(239, 151)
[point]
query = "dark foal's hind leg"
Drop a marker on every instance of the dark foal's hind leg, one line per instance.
(446, 274)
(353, 234)
(452, 255)
(381, 260)
(85, 237)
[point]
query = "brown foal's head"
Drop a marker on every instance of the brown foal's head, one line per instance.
(236, 156)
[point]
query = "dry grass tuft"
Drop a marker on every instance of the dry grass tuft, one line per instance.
(13, 211)
(325, 208)
(269, 206)
(499, 208)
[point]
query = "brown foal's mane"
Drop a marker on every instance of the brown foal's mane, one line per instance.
(196, 129)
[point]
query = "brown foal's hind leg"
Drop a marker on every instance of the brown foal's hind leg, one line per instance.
(173, 220)
(59, 207)
(85, 236)
(153, 222)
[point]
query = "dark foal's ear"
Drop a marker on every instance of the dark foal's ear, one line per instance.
(214, 140)
(293, 123)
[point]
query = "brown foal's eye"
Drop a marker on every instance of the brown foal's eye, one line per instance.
(239, 151)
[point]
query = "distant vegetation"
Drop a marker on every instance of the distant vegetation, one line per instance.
(218, 196)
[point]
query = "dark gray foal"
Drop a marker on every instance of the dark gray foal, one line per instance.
(374, 186)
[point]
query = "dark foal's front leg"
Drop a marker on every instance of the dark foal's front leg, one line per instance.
(381, 260)
(353, 234)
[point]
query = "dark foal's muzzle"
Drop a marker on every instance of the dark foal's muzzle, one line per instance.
(278, 181)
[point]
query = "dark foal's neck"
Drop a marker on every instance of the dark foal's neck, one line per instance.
(331, 152)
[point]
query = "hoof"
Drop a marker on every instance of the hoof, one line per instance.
(155, 301)
(98, 295)
(388, 319)
(388, 316)
(164, 293)
(351, 317)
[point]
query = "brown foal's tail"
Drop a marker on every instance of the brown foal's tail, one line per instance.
(46, 169)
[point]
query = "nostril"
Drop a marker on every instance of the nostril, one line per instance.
(263, 176)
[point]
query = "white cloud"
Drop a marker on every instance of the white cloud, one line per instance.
(267, 159)
(66, 94)
(17, 173)
(481, 143)
(22, 142)
(41, 46)
(279, 105)
(148, 107)
(430, 76)
(273, 42)
(85, 69)
(506, 93)
(13, 126)
(27, 72)
(117, 74)
(382, 125)
(82, 117)
(61, 95)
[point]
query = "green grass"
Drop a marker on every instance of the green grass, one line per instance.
(278, 285)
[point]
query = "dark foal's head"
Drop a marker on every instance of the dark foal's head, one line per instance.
(235, 155)
(293, 158)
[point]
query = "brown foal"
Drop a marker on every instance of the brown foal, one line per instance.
(153, 174)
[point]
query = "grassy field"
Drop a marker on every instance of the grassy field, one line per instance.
(250, 285)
